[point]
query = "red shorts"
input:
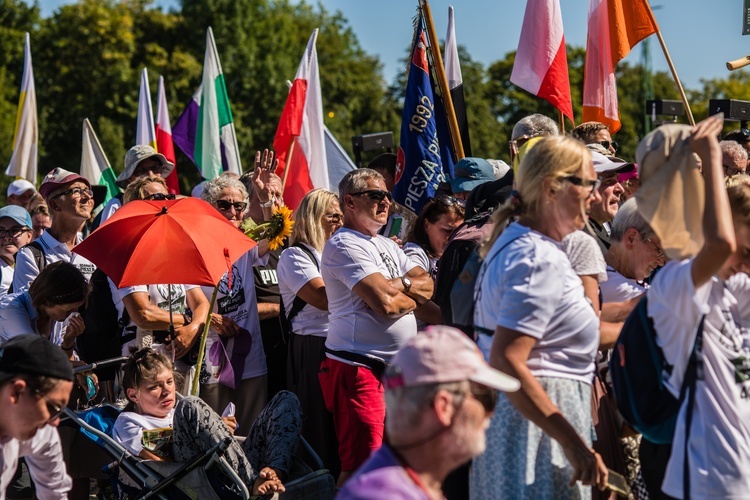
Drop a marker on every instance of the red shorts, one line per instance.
(355, 397)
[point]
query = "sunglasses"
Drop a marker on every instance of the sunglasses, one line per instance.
(225, 206)
(75, 193)
(53, 410)
(450, 201)
(485, 395)
(607, 144)
(160, 196)
(13, 232)
(334, 218)
(375, 195)
(584, 183)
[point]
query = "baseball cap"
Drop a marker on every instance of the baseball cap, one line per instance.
(57, 178)
(604, 164)
(33, 355)
(20, 186)
(598, 148)
(442, 354)
(18, 214)
(134, 156)
(471, 172)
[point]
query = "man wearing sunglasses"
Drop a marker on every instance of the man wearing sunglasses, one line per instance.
(440, 394)
(595, 133)
(603, 210)
(373, 288)
(35, 383)
(70, 201)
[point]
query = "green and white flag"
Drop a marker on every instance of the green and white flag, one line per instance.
(94, 164)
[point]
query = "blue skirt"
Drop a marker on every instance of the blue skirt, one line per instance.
(521, 461)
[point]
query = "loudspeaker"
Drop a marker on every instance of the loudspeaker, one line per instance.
(664, 107)
(371, 142)
(733, 109)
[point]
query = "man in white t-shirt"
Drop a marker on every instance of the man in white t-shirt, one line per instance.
(70, 201)
(372, 289)
(35, 383)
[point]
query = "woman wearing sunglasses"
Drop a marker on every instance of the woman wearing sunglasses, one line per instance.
(535, 324)
(235, 368)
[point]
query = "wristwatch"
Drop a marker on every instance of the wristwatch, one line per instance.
(407, 283)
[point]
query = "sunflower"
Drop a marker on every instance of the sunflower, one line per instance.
(274, 230)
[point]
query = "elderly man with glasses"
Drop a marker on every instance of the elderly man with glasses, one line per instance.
(604, 210)
(373, 289)
(70, 201)
(734, 158)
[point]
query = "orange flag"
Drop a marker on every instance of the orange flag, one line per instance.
(615, 27)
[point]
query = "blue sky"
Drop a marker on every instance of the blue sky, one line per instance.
(701, 35)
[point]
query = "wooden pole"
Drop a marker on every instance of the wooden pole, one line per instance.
(442, 80)
(288, 162)
(561, 121)
(202, 350)
(671, 66)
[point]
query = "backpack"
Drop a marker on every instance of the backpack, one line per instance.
(639, 369)
(298, 304)
(37, 251)
(102, 338)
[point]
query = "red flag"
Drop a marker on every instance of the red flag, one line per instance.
(302, 121)
(541, 65)
(164, 144)
(615, 27)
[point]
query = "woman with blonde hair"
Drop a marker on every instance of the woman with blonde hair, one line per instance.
(305, 310)
(535, 324)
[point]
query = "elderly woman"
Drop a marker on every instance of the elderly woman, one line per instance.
(306, 309)
(148, 307)
(542, 331)
(235, 369)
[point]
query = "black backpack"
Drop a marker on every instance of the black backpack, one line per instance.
(298, 304)
(102, 338)
(39, 257)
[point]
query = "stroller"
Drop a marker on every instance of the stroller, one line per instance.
(208, 476)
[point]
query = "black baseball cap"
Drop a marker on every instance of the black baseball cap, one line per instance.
(33, 355)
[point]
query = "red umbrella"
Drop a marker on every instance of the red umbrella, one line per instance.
(167, 242)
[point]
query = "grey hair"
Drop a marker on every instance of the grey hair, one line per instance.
(247, 181)
(406, 405)
(535, 125)
(628, 217)
(356, 180)
(733, 149)
(212, 189)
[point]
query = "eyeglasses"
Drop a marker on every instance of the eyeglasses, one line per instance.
(375, 195)
(334, 218)
(730, 170)
(225, 206)
(659, 251)
(485, 395)
(53, 410)
(584, 183)
(160, 196)
(450, 201)
(518, 143)
(13, 232)
(607, 144)
(75, 193)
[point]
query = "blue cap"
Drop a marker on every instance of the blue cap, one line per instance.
(18, 214)
(470, 173)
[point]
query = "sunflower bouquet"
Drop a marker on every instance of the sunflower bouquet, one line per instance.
(274, 230)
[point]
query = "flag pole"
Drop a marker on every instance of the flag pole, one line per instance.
(671, 67)
(561, 121)
(288, 162)
(442, 80)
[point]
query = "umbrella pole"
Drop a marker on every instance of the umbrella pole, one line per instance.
(202, 350)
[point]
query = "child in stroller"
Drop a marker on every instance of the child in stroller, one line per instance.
(156, 426)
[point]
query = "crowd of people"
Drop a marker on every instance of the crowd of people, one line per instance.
(354, 333)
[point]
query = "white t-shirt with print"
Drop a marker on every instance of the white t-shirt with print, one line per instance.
(349, 257)
(240, 304)
(129, 427)
(719, 441)
(618, 288)
(530, 287)
(26, 269)
(295, 270)
(420, 258)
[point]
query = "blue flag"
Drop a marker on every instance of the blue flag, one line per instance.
(419, 167)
